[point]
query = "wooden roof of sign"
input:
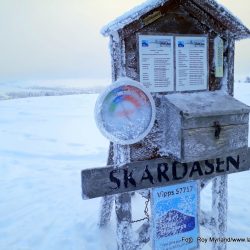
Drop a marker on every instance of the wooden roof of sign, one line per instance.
(202, 10)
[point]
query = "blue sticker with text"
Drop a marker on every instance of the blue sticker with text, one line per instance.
(175, 217)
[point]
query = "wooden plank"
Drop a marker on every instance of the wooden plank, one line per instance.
(107, 201)
(202, 122)
(143, 234)
(201, 143)
(155, 173)
(225, 18)
(172, 123)
(206, 220)
(201, 104)
(124, 227)
(139, 24)
(205, 182)
(204, 18)
(220, 205)
(117, 51)
(230, 64)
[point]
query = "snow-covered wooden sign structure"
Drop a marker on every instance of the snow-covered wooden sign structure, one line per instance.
(175, 48)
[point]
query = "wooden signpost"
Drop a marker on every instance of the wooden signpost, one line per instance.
(110, 180)
(170, 46)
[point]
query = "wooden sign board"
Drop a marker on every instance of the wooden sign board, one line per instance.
(134, 176)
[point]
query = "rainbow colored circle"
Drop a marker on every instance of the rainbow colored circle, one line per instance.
(125, 112)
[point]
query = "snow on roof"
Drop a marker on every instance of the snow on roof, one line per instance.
(219, 12)
(208, 103)
(131, 16)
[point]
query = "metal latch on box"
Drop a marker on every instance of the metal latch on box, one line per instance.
(217, 131)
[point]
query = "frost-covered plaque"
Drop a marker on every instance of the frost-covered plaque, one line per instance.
(175, 217)
(191, 63)
(125, 112)
(157, 62)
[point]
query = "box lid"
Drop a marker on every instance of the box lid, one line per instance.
(200, 104)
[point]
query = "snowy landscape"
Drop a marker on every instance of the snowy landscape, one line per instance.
(55, 87)
(54, 63)
(45, 143)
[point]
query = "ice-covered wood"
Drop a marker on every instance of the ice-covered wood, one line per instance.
(215, 220)
(186, 18)
(124, 232)
(200, 143)
(230, 63)
(219, 208)
(223, 120)
(171, 121)
(107, 201)
(191, 119)
(216, 11)
(177, 20)
(118, 56)
(225, 17)
(143, 233)
(204, 183)
(183, 20)
(158, 172)
(131, 16)
(207, 220)
(204, 17)
(203, 104)
(176, 17)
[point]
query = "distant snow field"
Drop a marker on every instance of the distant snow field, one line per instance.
(45, 143)
(35, 88)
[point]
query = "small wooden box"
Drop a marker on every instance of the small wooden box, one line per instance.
(204, 125)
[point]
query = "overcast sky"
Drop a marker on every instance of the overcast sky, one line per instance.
(52, 39)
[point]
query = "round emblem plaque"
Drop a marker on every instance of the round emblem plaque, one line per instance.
(125, 112)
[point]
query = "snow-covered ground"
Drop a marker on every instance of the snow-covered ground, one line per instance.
(34, 88)
(45, 142)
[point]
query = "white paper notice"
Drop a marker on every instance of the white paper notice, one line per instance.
(157, 62)
(191, 63)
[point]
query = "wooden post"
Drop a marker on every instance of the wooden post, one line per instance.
(123, 205)
(124, 226)
(220, 184)
(219, 209)
(106, 210)
(107, 201)
(117, 54)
